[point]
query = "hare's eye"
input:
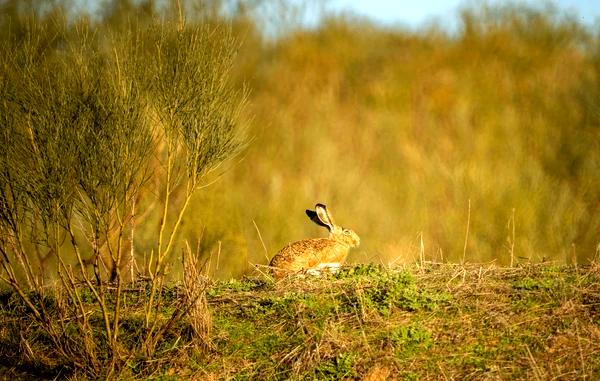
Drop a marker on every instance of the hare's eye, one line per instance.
(347, 232)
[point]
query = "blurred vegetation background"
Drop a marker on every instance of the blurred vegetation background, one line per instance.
(477, 145)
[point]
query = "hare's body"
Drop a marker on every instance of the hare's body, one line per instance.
(315, 253)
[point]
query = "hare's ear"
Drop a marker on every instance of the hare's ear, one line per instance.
(324, 217)
(320, 216)
(314, 217)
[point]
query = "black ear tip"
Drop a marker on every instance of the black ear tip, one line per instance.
(319, 205)
(310, 213)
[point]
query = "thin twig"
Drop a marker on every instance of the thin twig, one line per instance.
(512, 241)
(467, 233)
(261, 240)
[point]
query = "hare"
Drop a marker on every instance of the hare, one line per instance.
(311, 255)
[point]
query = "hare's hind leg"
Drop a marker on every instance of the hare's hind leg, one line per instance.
(324, 268)
(332, 267)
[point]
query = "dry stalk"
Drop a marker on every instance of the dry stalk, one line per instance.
(467, 232)
(261, 241)
(195, 284)
(512, 240)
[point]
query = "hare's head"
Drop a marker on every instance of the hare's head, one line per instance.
(322, 217)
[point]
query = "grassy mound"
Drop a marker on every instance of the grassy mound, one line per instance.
(438, 321)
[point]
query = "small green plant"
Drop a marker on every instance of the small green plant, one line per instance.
(382, 291)
(368, 269)
(236, 285)
(337, 368)
(529, 284)
(409, 339)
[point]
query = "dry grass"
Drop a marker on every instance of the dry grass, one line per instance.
(435, 322)
(431, 321)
